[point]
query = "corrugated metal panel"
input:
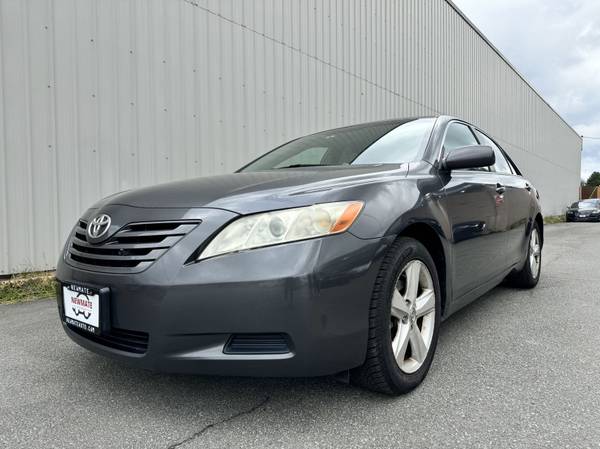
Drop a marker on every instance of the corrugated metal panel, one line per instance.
(101, 96)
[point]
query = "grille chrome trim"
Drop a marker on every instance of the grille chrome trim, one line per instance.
(132, 249)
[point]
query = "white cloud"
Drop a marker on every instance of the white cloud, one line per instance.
(556, 46)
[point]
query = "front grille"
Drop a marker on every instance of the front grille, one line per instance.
(121, 339)
(257, 344)
(131, 249)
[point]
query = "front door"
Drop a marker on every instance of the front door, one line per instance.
(474, 205)
(477, 215)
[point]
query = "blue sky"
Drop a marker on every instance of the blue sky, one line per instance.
(555, 44)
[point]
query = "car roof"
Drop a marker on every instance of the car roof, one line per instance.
(393, 121)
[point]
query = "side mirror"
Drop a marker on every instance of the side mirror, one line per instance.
(472, 156)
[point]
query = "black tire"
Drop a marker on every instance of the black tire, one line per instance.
(525, 278)
(380, 371)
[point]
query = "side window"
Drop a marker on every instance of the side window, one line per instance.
(501, 165)
(458, 135)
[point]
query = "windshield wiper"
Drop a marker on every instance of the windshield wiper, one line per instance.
(304, 165)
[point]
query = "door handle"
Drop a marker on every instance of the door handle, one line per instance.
(500, 189)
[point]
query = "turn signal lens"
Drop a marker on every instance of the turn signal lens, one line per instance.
(274, 228)
(347, 218)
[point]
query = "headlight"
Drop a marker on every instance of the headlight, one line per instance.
(273, 228)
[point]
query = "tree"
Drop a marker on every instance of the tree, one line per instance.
(594, 179)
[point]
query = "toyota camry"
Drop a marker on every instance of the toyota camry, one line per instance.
(336, 253)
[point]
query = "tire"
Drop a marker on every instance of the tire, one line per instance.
(381, 372)
(529, 275)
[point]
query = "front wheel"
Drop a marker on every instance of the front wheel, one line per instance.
(404, 321)
(529, 275)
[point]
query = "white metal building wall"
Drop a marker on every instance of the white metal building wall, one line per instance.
(98, 96)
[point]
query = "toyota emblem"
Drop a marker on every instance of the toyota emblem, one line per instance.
(98, 226)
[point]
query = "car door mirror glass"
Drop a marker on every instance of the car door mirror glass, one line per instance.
(472, 156)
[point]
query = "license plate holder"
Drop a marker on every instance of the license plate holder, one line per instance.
(85, 307)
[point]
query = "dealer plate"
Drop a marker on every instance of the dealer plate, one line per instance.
(82, 307)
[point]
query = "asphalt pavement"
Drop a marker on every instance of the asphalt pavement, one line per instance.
(515, 369)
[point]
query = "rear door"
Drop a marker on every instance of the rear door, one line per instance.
(470, 201)
(517, 202)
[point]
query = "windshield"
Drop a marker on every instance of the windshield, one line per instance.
(379, 143)
(586, 204)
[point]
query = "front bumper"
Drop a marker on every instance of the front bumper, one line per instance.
(315, 293)
(588, 217)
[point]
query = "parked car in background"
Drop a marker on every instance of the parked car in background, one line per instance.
(341, 251)
(584, 210)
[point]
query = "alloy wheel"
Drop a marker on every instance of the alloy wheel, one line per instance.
(535, 253)
(412, 316)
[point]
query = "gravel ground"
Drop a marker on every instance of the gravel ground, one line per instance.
(514, 369)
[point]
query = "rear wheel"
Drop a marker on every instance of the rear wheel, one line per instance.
(404, 321)
(529, 275)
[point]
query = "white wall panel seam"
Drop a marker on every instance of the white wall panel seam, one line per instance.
(28, 131)
(52, 114)
(5, 255)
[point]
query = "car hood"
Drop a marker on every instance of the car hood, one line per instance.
(257, 191)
